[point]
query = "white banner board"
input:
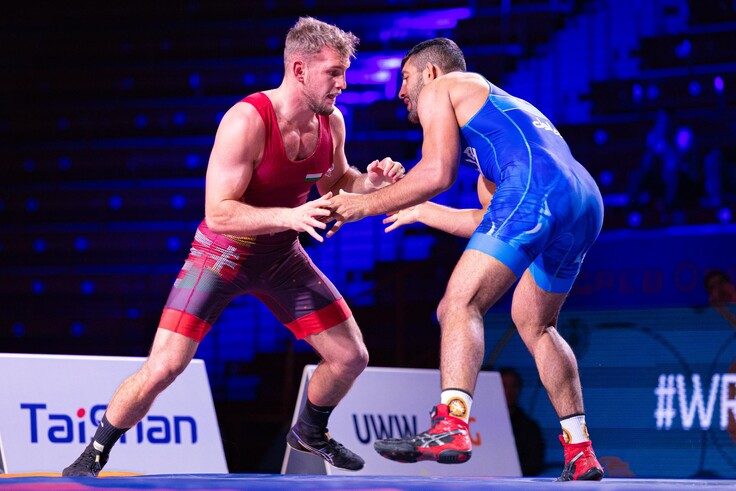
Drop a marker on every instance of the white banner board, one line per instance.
(394, 402)
(51, 405)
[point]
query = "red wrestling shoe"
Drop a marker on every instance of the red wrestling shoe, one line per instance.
(447, 442)
(580, 462)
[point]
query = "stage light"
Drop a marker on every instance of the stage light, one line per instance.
(37, 287)
(81, 244)
(652, 92)
(249, 79)
(683, 49)
(718, 83)
(141, 121)
(634, 219)
(694, 88)
(194, 80)
(39, 245)
(115, 202)
(178, 202)
(179, 118)
(77, 329)
(173, 243)
(19, 330)
(606, 178)
(192, 160)
(725, 215)
(600, 137)
(637, 92)
(684, 138)
(87, 287)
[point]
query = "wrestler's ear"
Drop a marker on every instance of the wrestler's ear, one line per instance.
(298, 68)
(431, 71)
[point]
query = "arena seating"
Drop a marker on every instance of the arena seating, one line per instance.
(108, 116)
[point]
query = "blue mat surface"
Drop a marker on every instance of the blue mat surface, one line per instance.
(264, 482)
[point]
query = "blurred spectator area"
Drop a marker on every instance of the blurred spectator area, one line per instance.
(109, 112)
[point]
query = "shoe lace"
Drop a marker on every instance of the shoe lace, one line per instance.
(91, 460)
(329, 445)
(568, 472)
(337, 448)
(96, 467)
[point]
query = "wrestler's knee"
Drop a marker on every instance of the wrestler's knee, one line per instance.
(537, 336)
(356, 359)
(444, 308)
(159, 373)
(453, 306)
(350, 362)
(523, 325)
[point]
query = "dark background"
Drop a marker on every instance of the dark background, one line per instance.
(109, 111)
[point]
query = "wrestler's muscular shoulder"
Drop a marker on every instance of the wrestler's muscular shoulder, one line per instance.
(467, 93)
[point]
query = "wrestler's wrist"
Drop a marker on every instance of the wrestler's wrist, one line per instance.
(284, 217)
(419, 213)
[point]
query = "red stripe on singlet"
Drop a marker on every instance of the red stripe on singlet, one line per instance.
(320, 320)
(184, 323)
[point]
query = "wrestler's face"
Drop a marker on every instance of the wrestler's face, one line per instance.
(324, 80)
(412, 84)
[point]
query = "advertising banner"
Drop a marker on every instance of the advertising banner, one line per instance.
(395, 402)
(52, 404)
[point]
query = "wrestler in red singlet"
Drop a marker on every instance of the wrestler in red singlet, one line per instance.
(274, 268)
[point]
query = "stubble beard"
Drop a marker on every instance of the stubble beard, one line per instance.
(320, 108)
(413, 114)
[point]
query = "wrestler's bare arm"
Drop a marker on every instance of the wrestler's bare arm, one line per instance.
(434, 173)
(232, 162)
(460, 222)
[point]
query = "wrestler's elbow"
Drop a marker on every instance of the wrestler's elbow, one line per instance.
(440, 181)
(215, 224)
(217, 219)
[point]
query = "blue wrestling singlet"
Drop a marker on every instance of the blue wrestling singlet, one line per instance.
(547, 210)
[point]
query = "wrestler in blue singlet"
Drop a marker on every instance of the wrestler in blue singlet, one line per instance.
(547, 210)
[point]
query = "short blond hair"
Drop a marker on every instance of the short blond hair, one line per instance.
(309, 36)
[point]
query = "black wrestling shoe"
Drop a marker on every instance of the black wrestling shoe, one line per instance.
(305, 438)
(89, 464)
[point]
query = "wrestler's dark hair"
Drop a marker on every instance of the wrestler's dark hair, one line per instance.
(716, 273)
(442, 52)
